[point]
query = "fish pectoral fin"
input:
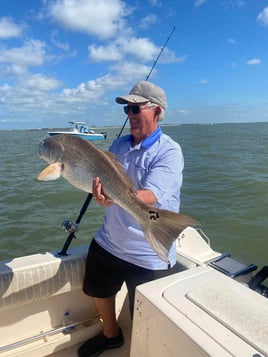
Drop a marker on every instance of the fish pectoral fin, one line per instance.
(51, 172)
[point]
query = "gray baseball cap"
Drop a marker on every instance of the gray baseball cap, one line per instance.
(144, 92)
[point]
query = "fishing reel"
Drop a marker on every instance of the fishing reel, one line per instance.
(69, 226)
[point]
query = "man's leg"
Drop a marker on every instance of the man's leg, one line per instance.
(106, 308)
(110, 337)
(103, 278)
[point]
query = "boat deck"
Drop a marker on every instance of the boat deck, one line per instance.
(126, 325)
(193, 309)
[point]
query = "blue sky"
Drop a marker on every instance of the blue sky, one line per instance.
(64, 60)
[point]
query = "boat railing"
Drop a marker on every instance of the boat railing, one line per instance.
(46, 334)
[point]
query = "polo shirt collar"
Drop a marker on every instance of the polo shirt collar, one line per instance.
(149, 140)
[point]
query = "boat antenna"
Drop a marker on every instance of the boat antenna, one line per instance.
(71, 227)
(151, 70)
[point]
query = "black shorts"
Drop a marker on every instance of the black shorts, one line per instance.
(106, 273)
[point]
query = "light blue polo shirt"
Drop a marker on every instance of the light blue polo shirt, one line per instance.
(155, 164)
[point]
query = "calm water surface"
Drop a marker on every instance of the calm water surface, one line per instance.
(225, 188)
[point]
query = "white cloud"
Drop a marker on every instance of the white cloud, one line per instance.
(63, 46)
(4, 89)
(8, 28)
(183, 111)
(110, 52)
(236, 3)
(199, 2)
(29, 93)
(123, 73)
(263, 17)
(231, 41)
(204, 81)
(39, 82)
(92, 90)
(33, 97)
(18, 59)
(148, 21)
(102, 18)
(155, 2)
(95, 90)
(169, 56)
(141, 49)
(130, 71)
(254, 61)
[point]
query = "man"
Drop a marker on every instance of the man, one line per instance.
(119, 252)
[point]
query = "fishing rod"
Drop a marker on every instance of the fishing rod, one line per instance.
(151, 70)
(160, 53)
(71, 227)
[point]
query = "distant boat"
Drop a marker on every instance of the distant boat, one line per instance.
(81, 129)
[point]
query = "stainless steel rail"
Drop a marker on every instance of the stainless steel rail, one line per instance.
(43, 335)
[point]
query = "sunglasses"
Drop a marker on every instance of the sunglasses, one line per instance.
(135, 109)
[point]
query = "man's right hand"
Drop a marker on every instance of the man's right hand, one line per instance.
(98, 194)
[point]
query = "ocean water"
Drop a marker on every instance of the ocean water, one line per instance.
(225, 189)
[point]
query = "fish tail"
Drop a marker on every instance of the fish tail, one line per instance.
(161, 228)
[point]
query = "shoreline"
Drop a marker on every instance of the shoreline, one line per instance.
(120, 126)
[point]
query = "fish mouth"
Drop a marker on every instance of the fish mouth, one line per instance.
(41, 148)
(44, 149)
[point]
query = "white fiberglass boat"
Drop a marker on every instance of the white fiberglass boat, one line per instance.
(207, 308)
(80, 128)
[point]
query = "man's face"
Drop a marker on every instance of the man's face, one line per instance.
(143, 123)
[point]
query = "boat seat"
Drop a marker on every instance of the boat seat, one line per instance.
(36, 277)
(195, 246)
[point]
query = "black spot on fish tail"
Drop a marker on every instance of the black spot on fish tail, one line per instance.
(153, 215)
